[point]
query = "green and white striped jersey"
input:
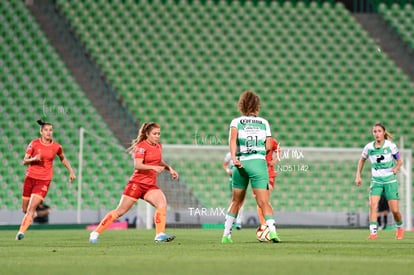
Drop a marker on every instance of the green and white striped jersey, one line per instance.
(252, 133)
(382, 161)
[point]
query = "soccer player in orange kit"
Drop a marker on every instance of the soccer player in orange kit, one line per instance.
(39, 157)
(271, 160)
(148, 163)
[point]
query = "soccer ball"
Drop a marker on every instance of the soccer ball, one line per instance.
(262, 233)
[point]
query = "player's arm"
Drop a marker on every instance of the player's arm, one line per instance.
(28, 159)
(226, 167)
(233, 146)
(358, 180)
(173, 173)
(398, 164)
(66, 163)
(140, 165)
(268, 144)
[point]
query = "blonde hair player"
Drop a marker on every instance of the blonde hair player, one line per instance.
(385, 161)
(249, 139)
(39, 157)
(148, 163)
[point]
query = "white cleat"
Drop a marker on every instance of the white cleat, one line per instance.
(93, 237)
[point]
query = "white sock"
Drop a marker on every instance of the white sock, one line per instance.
(373, 228)
(240, 216)
(272, 225)
(228, 224)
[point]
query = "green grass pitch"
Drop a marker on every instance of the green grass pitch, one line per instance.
(198, 251)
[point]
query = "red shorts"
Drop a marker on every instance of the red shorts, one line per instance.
(138, 190)
(37, 187)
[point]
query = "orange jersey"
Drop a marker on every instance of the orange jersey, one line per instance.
(269, 157)
(152, 156)
(43, 169)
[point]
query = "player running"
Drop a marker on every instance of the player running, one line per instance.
(385, 161)
(39, 157)
(148, 163)
(248, 136)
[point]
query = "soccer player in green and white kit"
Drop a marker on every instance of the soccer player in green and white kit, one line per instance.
(385, 161)
(249, 139)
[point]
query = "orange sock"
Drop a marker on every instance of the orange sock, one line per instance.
(26, 222)
(261, 216)
(107, 221)
(160, 220)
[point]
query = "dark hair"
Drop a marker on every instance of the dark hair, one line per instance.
(143, 132)
(43, 123)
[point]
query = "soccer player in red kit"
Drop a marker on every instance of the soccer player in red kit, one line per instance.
(272, 157)
(39, 157)
(148, 163)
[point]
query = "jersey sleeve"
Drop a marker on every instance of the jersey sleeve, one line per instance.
(394, 149)
(233, 123)
(139, 153)
(364, 154)
(268, 132)
(59, 150)
(29, 149)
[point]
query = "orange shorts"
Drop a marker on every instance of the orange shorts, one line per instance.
(272, 182)
(37, 187)
(138, 190)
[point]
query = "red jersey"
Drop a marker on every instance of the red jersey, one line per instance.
(43, 169)
(152, 156)
(269, 157)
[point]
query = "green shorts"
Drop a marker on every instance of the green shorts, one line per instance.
(389, 189)
(253, 170)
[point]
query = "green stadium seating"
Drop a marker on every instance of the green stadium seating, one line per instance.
(401, 18)
(35, 85)
(184, 65)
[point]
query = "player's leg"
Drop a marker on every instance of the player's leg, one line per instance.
(262, 200)
(124, 205)
(25, 204)
(259, 210)
(238, 196)
(239, 218)
(259, 177)
(27, 220)
(391, 193)
(157, 199)
(373, 206)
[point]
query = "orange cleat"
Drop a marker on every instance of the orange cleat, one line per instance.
(399, 235)
(373, 236)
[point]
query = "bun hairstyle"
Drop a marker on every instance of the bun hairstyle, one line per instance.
(43, 123)
(387, 135)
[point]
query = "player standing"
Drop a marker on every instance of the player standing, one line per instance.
(249, 135)
(39, 157)
(385, 161)
(148, 163)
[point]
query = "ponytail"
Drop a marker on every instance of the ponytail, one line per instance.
(142, 134)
